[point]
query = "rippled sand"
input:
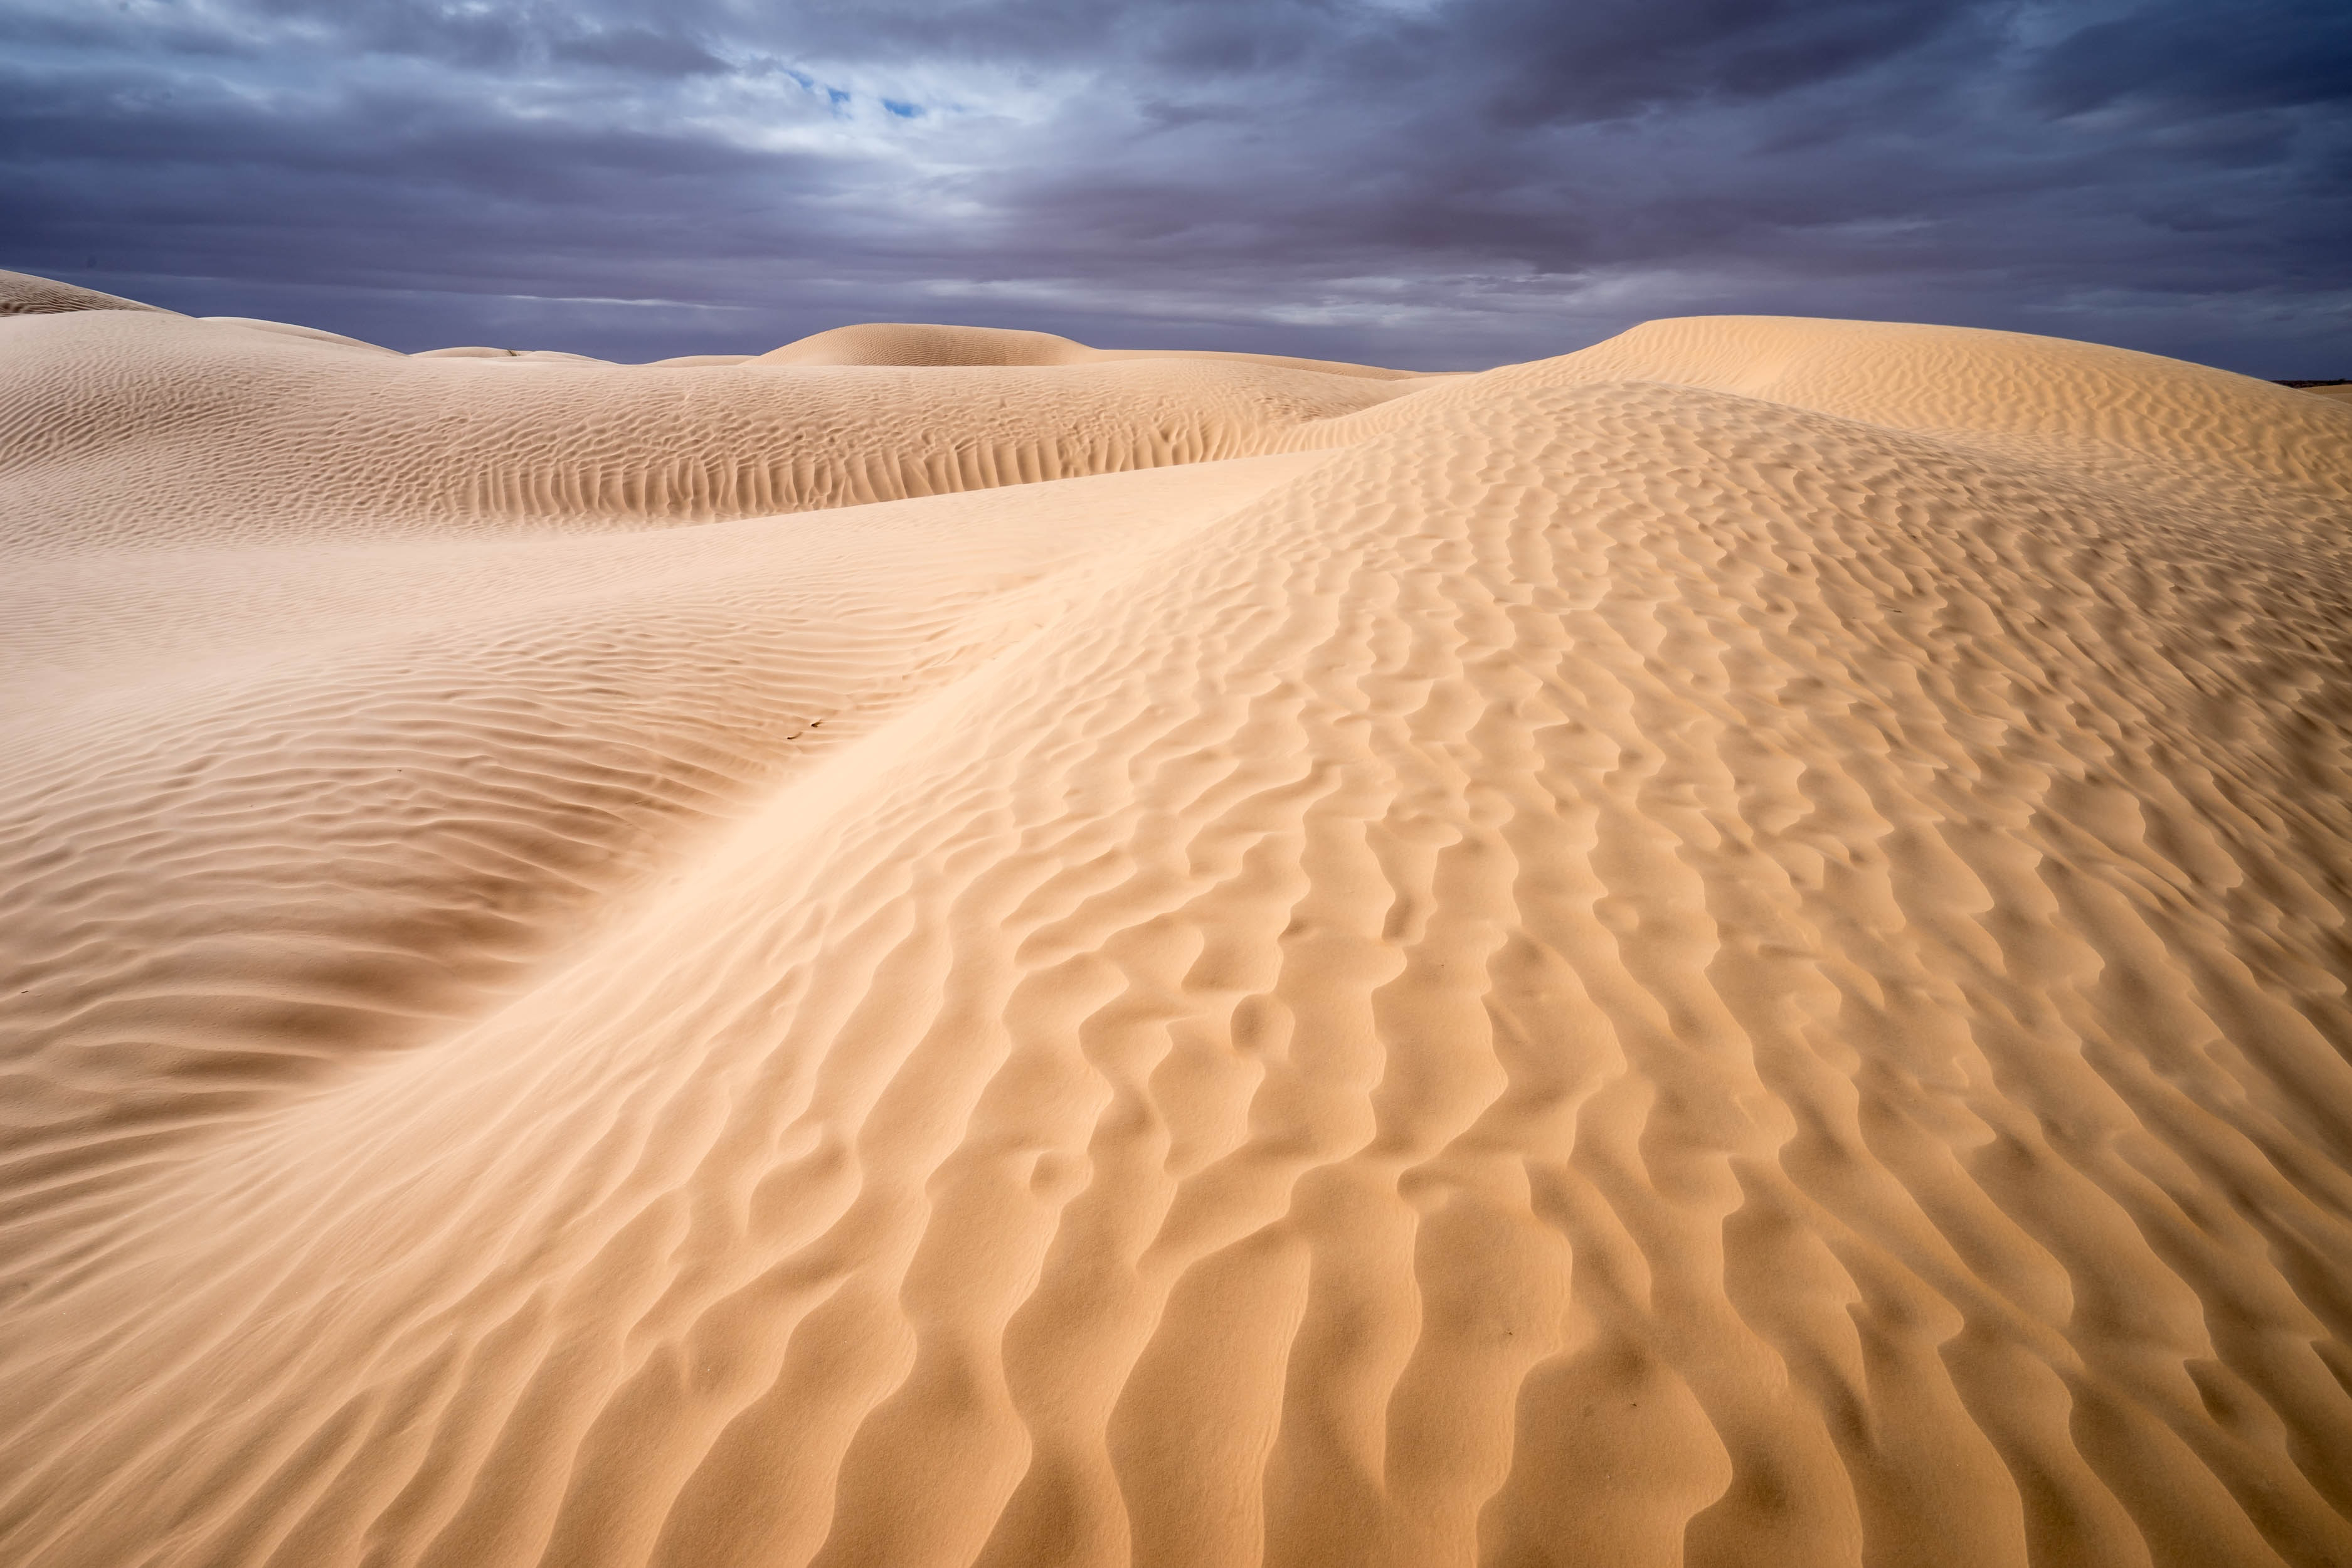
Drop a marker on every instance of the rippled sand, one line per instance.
(941, 947)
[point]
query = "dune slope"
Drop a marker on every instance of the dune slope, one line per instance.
(1725, 950)
(261, 436)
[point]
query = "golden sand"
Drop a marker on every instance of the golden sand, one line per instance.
(941, 947)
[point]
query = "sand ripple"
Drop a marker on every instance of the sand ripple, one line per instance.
(1725, 950)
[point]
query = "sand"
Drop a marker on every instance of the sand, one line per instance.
(941, 947)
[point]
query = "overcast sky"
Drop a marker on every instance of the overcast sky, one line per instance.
(1434, 183)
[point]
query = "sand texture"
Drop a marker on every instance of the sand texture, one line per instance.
(939, 947)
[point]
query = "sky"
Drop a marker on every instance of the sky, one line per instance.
(1434, 184)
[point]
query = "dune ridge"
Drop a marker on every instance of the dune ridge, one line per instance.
(1727, 949)
(22, 294)
(260, 437)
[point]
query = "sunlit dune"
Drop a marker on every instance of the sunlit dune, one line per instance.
(943, 947)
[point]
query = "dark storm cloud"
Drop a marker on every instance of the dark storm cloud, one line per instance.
(1542, 63)
(2203, 56)
(1443, 183)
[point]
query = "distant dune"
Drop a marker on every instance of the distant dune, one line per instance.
(943, 947)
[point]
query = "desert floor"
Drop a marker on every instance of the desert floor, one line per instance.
(941, 947)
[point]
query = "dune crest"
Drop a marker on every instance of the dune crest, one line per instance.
(915, 344)
(908, 343)
(1727, 949)
(22, 294)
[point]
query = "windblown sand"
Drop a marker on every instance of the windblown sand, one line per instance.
(944, 947)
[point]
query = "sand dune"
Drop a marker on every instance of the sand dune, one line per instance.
(1729, 949)
(22, 294)
(258, 436)
(912, 343)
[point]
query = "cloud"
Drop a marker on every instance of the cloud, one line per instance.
(2185, 57)
(638, 49)
(1441, 182)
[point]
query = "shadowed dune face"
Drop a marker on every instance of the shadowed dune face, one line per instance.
(1727, 949)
